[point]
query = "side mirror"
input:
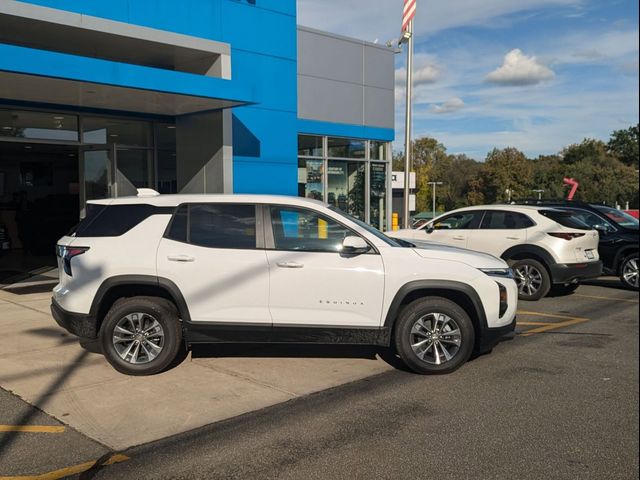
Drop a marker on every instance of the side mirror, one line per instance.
(602, 229)
(354, 245)
(429, 228)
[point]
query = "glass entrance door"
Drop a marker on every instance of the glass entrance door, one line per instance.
(133, 170)
(95, 174)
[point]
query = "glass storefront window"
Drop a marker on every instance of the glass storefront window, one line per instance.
(346, 148)
(167, 160)
(38, 125)
(378, 195)
(377, 150)
(310, 179)
(309, 146)
(133, 170)
(103, 130)
(346, 186)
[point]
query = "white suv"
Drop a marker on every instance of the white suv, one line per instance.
(155, 274)
(546, 247)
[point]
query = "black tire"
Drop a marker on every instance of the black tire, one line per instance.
(151, 308)
(562, 290)
(629, 265)
(408, 332)
(537, 282)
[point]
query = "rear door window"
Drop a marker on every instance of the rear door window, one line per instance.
(503, 220)
(215, 225)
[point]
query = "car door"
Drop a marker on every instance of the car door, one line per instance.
(499, 231)
(215, 255)
(312, 283)
(453, 229)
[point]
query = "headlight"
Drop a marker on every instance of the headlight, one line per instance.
(498, 272)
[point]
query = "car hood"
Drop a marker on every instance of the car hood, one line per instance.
(439, 251)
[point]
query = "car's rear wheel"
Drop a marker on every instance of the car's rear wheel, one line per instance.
(434, 335)
(629, 271)
(532, 278)
(141, 335)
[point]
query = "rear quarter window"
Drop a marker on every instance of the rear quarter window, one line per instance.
(566, 219)
(116, 220)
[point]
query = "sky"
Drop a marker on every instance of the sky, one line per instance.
(532, 74)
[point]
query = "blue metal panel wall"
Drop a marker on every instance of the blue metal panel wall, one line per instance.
(262, 34)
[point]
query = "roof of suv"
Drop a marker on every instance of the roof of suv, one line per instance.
(174, 200)
(511, 207)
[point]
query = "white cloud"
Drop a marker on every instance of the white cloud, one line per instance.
(519, 69)
(452, 105)
(421, 76)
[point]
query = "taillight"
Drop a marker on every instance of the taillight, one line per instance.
(566, 236)
(67, 253)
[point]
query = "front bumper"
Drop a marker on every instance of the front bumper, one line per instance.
(490, 337)
(571, 272)
(79, 324)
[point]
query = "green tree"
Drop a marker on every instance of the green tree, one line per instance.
(455, 172)
(548, 172)
(504, 171)
(623, 145)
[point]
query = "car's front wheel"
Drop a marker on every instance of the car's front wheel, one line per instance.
(434, 335)
(629, 271)
(141, 335)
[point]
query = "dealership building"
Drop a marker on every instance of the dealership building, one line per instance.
(101, 97)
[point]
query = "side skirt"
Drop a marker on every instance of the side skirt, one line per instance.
(195, 333)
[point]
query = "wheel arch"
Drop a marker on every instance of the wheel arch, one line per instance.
(125, 286)
(534, 252)
(622, 254)
(462, 294)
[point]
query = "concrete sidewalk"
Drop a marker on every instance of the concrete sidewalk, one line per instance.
(48, 368)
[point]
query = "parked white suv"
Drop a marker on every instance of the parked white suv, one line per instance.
(546, 247)
(153, 275)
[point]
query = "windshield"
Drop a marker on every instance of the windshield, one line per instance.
(619, 217)
(373, 231)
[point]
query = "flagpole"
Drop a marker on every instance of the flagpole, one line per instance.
(407, 132)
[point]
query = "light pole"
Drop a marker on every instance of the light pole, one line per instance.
(433, 190)
(539, 192)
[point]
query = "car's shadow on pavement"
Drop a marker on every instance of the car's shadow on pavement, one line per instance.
(607, 282)
(243, 350)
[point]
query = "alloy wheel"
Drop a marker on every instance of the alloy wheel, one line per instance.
(435, 338)
(630, 272)
(529, 279)
(138, 338)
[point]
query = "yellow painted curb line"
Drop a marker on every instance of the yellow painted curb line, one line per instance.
(545, 327)
(65, 472)
(32, 428)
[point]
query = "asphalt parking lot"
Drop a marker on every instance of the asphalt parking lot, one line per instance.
(560, 400)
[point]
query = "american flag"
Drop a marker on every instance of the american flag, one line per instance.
(408, 13)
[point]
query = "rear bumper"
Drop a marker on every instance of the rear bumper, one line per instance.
(570, 272)
(490, 337)
(79, 324)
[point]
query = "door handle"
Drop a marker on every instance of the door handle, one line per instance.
(513, 238)
(180, 258)
(290, 265)
(459, 237)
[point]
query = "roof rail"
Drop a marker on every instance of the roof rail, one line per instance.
(147, 192)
